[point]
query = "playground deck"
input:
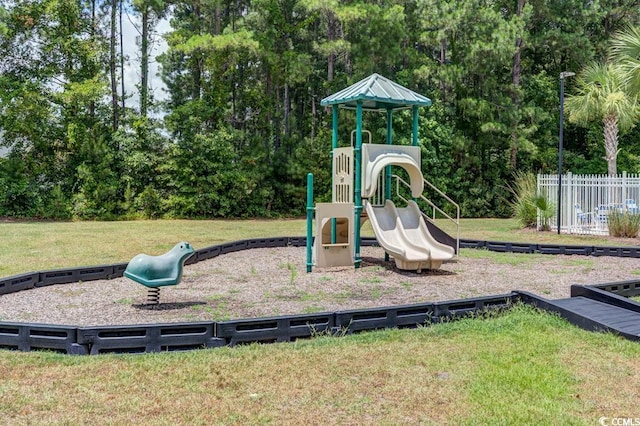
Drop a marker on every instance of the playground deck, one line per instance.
(594, 309)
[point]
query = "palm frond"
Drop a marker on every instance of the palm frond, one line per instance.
(601, 91)
(625, 51)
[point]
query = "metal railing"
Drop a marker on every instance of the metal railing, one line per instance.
(434, 208)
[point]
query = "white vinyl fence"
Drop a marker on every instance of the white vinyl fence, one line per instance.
(588, 199)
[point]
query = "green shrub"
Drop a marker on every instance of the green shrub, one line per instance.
(624, 225)
(149, 202)
(56, 205)
(526, 202)
(547, 210)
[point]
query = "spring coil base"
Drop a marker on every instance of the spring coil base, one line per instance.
(153, 296)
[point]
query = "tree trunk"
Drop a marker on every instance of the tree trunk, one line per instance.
(443, 60)
(515, 96)
(122, 96)
(611, 143)
(92, 103)
(144, 62)
(276, 124)
(216, 28)
(331, 35)
(196, 72)
(313, 117)
(287, 107)
(268, 116)
(112, 67)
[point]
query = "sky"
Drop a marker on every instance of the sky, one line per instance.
(130, 33)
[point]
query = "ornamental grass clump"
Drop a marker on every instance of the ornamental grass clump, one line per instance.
(527, 202)
(623, 224)
(524, 191)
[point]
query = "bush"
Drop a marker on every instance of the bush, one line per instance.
(19, 195)
(546, 208)
(149, 202)
(56, 205)
(527, 202)
(624, 225)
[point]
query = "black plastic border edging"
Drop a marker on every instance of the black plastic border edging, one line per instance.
(274, 329)
(148, 338)
(622, 288)
(412, 315)
(142, 338)
(19, 282)
(26, 337)
(184, 336)
(508, 247)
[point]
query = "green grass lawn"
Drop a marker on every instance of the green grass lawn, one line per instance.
(519, 367)
(33, 246)
(523, 367)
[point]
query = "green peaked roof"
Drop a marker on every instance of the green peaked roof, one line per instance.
(376, 93)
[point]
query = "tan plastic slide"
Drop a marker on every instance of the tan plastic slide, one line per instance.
(403, 234)
(375, 157)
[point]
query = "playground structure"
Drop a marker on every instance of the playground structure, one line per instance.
(154, 272)
(362, 175)
(361, 184)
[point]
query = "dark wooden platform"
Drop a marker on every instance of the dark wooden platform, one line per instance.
(611, 318)
(595, 310)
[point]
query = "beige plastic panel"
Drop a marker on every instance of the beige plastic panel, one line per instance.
(342, 251)
(342, 175)
(375, 157)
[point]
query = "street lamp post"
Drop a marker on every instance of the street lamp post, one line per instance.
(563, 75)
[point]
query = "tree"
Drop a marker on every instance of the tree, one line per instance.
(112, 65)
(625, 51)
(3, 16)
(150, 11)
(469, 54)
(53, 112)
(245, 78)
(334, 15)
(602, 94)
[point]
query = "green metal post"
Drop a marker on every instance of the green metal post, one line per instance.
(309, 221)
(387, 172)
(358, 189)
(334, 145)
(334, 122)
(415, 126)
(415, 130)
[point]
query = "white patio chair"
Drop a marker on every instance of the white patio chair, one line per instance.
(602, 215)
(584, 219)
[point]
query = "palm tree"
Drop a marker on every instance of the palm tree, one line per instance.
(625, 51)
(602, 94)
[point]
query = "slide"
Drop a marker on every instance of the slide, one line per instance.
(376, 157)
(403, 234)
